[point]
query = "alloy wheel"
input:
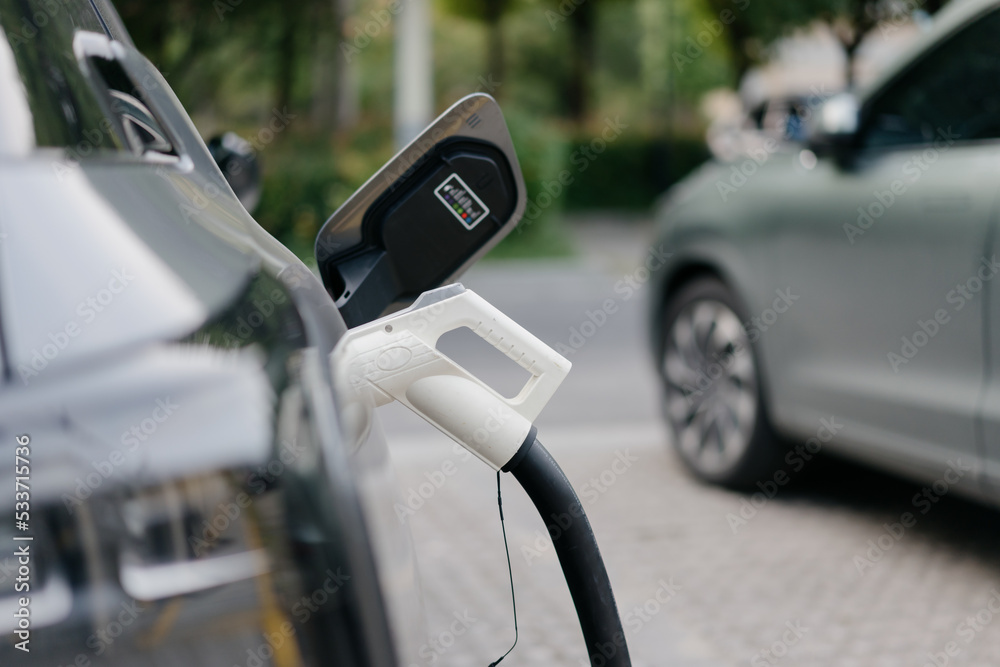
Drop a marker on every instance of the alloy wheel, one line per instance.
(711, 380)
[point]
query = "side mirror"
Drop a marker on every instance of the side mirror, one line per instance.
(836, 126)
(238, 162)
(439, 205)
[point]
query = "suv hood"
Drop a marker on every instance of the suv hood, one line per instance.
(77, 281)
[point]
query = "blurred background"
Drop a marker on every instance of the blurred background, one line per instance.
(326, 90)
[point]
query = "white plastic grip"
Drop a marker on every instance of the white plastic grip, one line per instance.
(396, 358)
(547, 367)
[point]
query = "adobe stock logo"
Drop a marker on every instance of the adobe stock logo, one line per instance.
(958, 298)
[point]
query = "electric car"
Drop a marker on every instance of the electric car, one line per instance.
(193, 467)
(166, 403)
(839, 294)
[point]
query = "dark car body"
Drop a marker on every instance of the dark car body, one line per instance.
(166, 398)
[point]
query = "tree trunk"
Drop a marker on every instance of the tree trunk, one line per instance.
(496, 62)
(578, 94)
(863, 21)
(326, 69)
(285, 72)
(851, 52)
(348, 95)
(736, 34)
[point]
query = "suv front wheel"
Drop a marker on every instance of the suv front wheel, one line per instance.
(713, 399)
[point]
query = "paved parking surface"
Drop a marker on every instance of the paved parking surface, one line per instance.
(823, 573)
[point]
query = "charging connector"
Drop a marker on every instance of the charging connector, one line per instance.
(396, 358)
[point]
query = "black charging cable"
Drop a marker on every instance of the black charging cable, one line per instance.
(573, 538)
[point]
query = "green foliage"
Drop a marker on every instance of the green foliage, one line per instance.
(232, 61)
(542, 150)
(760, 22)
(307, 178)
(459, 58)
(298, 195)
(488, 11)
(652, 163)
(697, 68)
(539, 66)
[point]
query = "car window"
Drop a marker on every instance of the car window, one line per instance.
(955, 87)
(126, 102)
(64, 108)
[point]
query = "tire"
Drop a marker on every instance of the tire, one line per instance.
(712, 388)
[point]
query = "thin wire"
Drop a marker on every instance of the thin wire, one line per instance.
(510, 572)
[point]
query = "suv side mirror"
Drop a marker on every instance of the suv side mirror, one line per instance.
(440, 204)
(835, 130)
(238, 162)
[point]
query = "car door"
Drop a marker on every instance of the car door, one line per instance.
(886, 252)
(990, 404)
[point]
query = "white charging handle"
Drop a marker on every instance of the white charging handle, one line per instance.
(396, 358)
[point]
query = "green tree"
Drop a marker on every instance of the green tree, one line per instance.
(185, 38)
(490, 13)
(581, 17)
(757, 23)
(852, 20)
